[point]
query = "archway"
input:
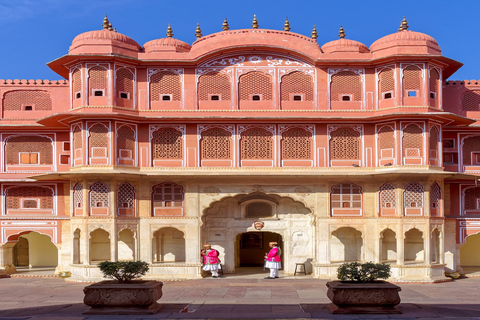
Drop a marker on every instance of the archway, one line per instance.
(469, 254)
(252, 246)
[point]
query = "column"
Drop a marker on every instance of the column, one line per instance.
(401, 248)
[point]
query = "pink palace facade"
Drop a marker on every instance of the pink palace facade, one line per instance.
(340, 152)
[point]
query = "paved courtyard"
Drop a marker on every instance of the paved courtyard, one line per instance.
(239, 296)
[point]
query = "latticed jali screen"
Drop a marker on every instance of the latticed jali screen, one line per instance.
(254, 83)
(167, 195)
(99, 195)
(17, 100)
(386, 140)
(434, 81)
(124, 82)
(98, 141)
(387, 82)
(412, 78)
(471, 100)
(216, 144)
(77, 138)
(388, 196)
(214, 83)
(258, 210)
(296, 144)
(345, 144)
(435, 195)
(297, 83)
(76, 82)
(412, 141)
(78, 195)
(346, 195)
(471, 198)
(125, 195)
(165, 82)
(413, 195)
(167, 144)
(256, 143)
(42, 145)
(470, 145)
(97, 79)
(346, 83)
(125, 141)
(434, 139)
(44, 195)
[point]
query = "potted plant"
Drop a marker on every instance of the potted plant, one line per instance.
(359, 291)
(124, 294)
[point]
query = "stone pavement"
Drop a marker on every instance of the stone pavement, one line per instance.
(231, 297)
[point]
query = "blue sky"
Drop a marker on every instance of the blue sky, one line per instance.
(34, 32)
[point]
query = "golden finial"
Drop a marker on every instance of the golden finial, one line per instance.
(403, 25)
(106, 23)
(115, 29)
(225, 26)
(342, 33)
(110, 28)
(198, 32)
(169, 31)
(314, 33)
(286, 26)
(255, 22)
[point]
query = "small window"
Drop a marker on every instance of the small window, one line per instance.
(449, 144)
(125, 205)
(433, 95)
(346, 97)
(29, 157)
(99, 204)
(29, 203)
(412, 93)
(433, 205)
(28, 108)
(448, 158)
(346, 205)
(413, 205)
(166, 97)
(64, 159)
(388, 205)
(297, 97)
(387, 95)
(98, 93)
(256, 97)
(79, 204)
(124, 95)
(66, 146)
(214, 97)
(78, 95)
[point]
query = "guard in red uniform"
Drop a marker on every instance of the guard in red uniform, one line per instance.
(272, 260)
(211, 261)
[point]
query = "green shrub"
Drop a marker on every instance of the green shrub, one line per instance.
(123, 271)
(363, 272)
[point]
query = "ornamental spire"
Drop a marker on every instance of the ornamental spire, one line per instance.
(255, 22)
(198, 32)
(225, 26)
(314, 33)
(403, 25)
(106, 24)
(169, 31)
(286, 26)
(342, 33)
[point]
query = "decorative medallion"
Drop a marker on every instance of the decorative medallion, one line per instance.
(258, 225)
(302, 191)
(211, 191)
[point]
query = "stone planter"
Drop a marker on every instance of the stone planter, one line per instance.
(137, 297)
(377, 297)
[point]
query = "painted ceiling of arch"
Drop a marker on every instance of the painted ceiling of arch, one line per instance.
(256, 59)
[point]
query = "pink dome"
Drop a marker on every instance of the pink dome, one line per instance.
(344, 45)
(166, 44)
(103, 41)
(405, 42)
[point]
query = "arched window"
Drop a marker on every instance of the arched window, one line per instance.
(126, 199)
(435, 197)
(296, 86)
(167, 199)
(216, 144)
(434, 144)
(78, 199)
(125, 145)
(346, 86)
(434, 87)
(471, 151)
(258, 210)
(98, 142)
(386, 145)
(29, 150)
(77, 84)
(413, 144)
(124, 85)
(165, 86)
(296, 144)
(472, 199)
(412, 82)
(167, 144)
(388, 199)
(97, 81)
(471, 100)
(413, 199)
(346, 199)
(256, 144)
(345, 145)
(99, 198)
(214, 86)
(386, 84)
(31, 197)
(255, 86)
(27, 100)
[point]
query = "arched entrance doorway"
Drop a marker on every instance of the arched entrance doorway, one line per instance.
(469, 254)
(252, 246)
(34, 252)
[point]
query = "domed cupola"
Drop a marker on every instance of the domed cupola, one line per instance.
(343, 45)
(105, 41)
(168, 44)
(405, 42)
